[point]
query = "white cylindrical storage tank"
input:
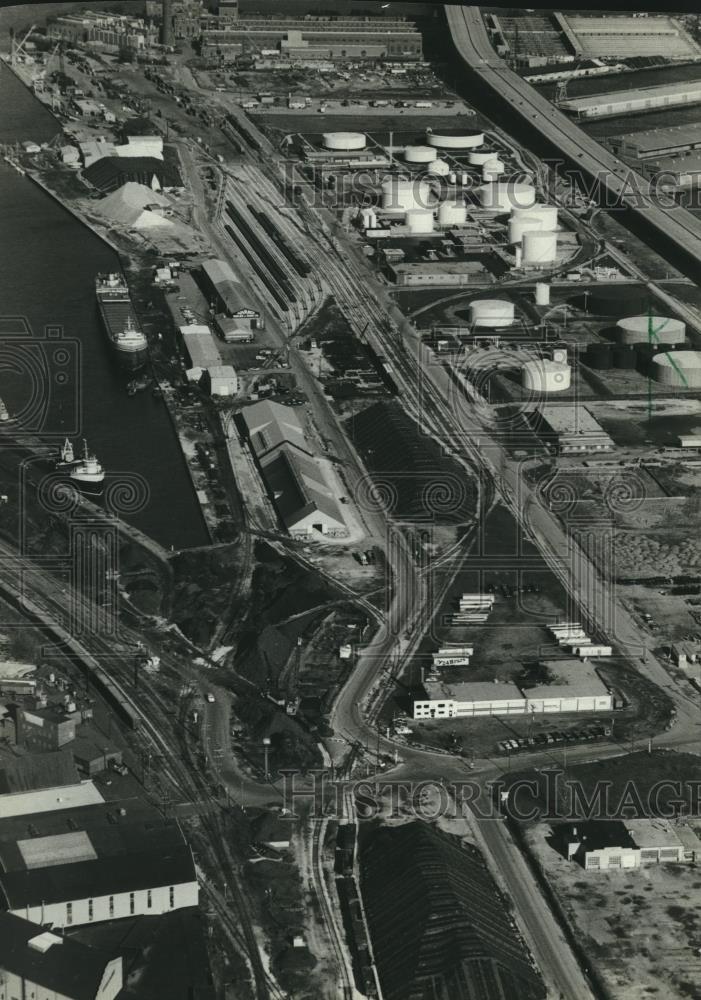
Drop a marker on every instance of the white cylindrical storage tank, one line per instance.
(539, 248)
(453, 177)
(546, 213)
(464, 179)
(505, 196)
(517, 227)
(372, 219)
(344, 140)
(655, 330)
(678, 368)
(419, 154)
(542, 294)
(438, 167)
(454, 138)
(452, 213)
(400, 195)
(491, 312)
(419, 220)
(543, 375)
(518, 255)
(479, 157)
(492, 170)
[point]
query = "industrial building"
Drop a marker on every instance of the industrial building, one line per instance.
(667, 95)
(441, 273)
(313, 38)
(113, 171)
(439, 925)
(36, 963)
(201, 347)
(102, 31)
(617, 36)
(570, 429)
(294, 476)
(657, 142)
(78, 864)
(604, 845)
(227, 294)
(576, 687)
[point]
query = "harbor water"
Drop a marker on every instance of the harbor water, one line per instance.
(48, 263)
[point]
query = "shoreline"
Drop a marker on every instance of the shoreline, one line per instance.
(35, 177)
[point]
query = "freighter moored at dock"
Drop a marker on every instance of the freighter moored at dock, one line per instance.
(120, 322)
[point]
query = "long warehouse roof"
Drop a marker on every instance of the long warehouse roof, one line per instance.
(622, 97)
(650, 140)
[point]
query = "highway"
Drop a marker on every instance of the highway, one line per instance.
(672, 224)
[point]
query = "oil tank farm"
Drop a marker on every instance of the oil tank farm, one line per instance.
(543, 375)
(419, 221)
(420, 154)
(344, 141)
(650, 329)
(539, 248)
(400, 195)
(456, 139)
(681, 369)
(491, 312)
(452, 213)
(505, 196)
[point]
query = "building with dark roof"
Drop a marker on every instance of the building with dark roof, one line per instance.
(111, 172)
(294, 477)
(439, 926)
(94, 862)
(36, 963)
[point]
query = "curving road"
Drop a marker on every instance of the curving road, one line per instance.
(672, 223)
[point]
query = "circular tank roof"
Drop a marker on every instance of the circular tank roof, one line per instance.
(690, 360)
(355, 140)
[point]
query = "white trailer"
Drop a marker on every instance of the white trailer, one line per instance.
(589, 650)
(455, 651)
(469, 619)
(451, 661)
(480, 598)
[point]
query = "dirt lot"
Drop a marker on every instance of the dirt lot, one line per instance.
(641, 928)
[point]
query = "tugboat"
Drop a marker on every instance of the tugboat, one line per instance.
(88, 474)
(66, 456)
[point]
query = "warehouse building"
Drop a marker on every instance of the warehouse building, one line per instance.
(576, 687)
(603, 845)
(228, 294)
(38, 963)
(569, 429)
(73, 866)
(110, 172)
(106, 32)
(294, 477)
(657, 142)
(316, 38)
(668, 95)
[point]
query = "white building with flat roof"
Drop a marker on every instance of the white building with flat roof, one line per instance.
(575, 687)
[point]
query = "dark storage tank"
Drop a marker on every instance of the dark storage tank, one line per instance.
(624, 357)
(599, 356)
(644, 353)
(614, 300)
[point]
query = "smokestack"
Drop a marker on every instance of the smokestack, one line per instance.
(167, 27)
